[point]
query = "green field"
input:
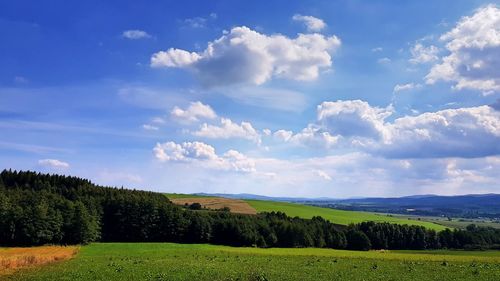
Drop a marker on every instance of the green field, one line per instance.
(460, 223)
(334, 215)
(167, 261)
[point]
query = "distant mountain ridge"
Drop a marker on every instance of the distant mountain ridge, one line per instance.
(250, 196)
(468, 206)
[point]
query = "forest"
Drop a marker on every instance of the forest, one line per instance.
(39, 209)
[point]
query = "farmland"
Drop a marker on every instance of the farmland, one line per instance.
(335, 216)
(12, 259)
(460, 223)
(168, 261)
(303, 211)
(214, 203)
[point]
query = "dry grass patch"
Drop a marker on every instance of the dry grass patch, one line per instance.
(235, 205)
(12, 259)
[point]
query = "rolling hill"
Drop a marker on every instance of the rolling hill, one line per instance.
(334, 215)
(341, 217)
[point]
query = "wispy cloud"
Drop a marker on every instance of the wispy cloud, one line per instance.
(135, 34)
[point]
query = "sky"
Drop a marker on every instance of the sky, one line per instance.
(281, 98)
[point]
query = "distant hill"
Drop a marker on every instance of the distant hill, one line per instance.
(340, 217)
(247, 196)
(467, 206)
(294, 208)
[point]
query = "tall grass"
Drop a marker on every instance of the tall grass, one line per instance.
(12, 259)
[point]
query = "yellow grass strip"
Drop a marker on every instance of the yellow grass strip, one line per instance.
(12, 259)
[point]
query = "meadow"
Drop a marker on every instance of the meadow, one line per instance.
(460, 223)
(168, 261)
(334, 215)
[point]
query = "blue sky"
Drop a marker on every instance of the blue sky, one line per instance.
(282, 98)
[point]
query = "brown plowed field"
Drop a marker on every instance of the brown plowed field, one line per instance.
(235, 205)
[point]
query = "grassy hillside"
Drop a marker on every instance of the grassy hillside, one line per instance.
(167, 261)
(335, 216)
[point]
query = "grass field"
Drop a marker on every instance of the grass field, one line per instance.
(12, 259)
(334, 215)
(454, 222)
(167, 261)
(305, 211)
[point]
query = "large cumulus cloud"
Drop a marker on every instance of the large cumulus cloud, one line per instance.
(204, 155)
(462, 132)
(474, 53)
(243, 55)
(356, 125)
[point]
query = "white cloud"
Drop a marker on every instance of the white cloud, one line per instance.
(474, 53)
(405, 87)
(377, 49)
(354, 124)
(341, 119)
(323, 175)
(462, 132)
(314, 136)
(266, 132)
(352, 174)
(228, 129)
(237, 161)
(174, 58)
(384, 60)
(53, 163)
(150, 127)
(245, 56)
(205, 155)
(158, 120)
(196, 22)
(171, 151)
(421, 54)
(283, 135)
(193, 113)
(313, 24)
(311, 136)
(135, 34)
(353, 118)
(199, 22)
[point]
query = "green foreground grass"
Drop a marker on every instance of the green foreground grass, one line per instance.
(334, 215)
(168, 261)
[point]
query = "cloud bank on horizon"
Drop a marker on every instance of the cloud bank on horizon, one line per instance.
(300, 106)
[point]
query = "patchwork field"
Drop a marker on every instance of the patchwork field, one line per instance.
(460, 223)
(12, 259)
(167, 261)
(334, 215)
(292, 209)
(235, 205)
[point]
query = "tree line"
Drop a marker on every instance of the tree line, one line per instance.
(37, 209)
